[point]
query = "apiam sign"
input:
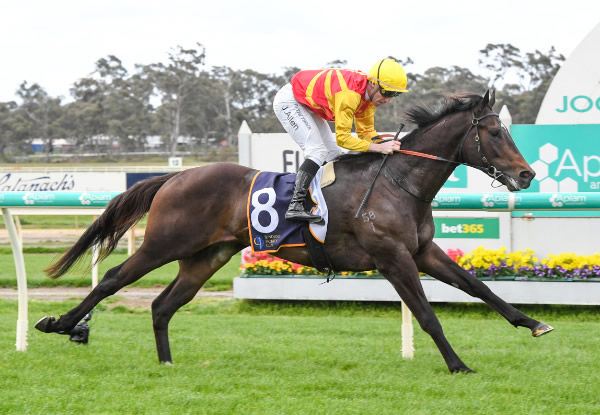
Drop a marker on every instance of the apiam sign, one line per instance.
(566, 158)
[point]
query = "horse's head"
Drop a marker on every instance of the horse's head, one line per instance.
(488, 145)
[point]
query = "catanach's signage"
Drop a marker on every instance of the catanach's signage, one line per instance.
(57, 181)
(11, 182)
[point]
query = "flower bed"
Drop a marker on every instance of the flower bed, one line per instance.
(485, 264)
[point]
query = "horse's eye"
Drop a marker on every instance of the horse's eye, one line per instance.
(494, 131)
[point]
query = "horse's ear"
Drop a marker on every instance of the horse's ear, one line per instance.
(486, 98)
(485, 101)
(492, 97)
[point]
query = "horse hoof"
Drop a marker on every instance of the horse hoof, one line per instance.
(44, 324)
(541, 329)
(464, 369)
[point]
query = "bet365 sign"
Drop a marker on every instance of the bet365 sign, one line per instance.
(566, 158)
(483, 228)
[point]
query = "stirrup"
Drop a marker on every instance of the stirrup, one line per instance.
(301, 215)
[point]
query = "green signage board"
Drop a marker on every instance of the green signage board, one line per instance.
(56, 199)
(566, 158)
(471, 228)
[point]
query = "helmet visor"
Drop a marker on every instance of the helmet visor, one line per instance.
(388, 94)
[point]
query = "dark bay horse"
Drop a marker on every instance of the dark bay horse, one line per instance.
(198, 217)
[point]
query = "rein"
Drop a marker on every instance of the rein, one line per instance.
(370, 189)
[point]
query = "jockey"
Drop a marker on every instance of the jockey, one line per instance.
(314, 97)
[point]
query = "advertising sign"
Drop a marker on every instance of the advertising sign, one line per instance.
(483, 228)
(566, 158)
(62, 181)
(574, 95)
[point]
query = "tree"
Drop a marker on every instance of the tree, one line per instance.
(253, 95)
(428, 89)
(111, 104)
(86, 118)
(176, 84)
(41, 113)
(126, 103)
(13, 128)
(500, 61)
(526, 77)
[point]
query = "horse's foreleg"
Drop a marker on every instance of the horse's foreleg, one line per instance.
(193, 273)
(404, 276)
(433, 261)
(116, 278)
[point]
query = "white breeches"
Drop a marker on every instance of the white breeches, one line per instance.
(311, 132)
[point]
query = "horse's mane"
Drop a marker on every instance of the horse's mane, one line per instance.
(424, 115)
(355, 155)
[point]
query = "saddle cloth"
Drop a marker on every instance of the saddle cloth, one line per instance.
(268, 199)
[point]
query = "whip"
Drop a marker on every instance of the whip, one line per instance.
(370, 189)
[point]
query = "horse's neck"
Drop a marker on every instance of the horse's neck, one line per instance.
(424, 177)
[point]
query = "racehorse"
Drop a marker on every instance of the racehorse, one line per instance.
(198, 217)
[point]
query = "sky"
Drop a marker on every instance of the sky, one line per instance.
(55, 43)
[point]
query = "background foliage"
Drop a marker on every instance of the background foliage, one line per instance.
(112, 109)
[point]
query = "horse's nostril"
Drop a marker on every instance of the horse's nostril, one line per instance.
(526, 174)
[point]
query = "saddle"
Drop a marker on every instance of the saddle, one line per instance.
(328, 176)
(268, 199)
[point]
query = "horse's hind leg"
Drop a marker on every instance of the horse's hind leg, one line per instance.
(194, 271)
(116, 278)
(433, 261)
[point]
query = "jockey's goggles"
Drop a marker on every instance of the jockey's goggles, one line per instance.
(388, 94)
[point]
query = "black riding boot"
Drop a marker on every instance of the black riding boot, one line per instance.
(296, 211)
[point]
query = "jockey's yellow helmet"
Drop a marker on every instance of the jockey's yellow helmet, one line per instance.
(389, 76)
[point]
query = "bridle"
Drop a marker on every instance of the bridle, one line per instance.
(486, 166)
(403, 183)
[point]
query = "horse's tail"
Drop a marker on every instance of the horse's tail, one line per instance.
(120, 214)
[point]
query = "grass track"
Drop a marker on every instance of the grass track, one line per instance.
(81, 275)
(234, 357)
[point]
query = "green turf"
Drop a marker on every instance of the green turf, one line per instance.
(81, 275)
(57, 221)
(240, 357)
(53, 221)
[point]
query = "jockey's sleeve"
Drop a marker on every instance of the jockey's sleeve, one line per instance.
(345, 105)
(365, 123)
